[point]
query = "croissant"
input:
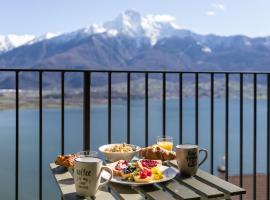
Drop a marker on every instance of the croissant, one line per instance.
(155, 152)
(66, 160)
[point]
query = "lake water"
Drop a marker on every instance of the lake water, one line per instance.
(29, 136)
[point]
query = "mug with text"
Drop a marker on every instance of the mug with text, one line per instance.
(87, 175)
(187, 156)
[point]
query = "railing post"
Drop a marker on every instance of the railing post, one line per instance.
(197, 108)
(40, 135)
(17, 138)
(164, 104)
(268, 139)
(128, 107)
(180, 108)
(62, 113)
(86, 111)
(212, 122)
(146, 109)
(241, 131)
(254, 136)
(227, 126)
(109, 107)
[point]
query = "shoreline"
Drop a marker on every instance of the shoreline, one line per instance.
(96, 103)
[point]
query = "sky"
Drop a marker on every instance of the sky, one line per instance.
(221, 17)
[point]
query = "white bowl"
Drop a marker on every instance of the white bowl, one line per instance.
(115, 156)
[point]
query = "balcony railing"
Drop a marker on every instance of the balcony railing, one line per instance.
(212, 77)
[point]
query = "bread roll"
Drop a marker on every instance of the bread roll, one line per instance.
(155, 152)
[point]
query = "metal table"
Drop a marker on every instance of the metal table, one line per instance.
(202, 186)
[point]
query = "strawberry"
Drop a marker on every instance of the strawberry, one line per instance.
(145, 173)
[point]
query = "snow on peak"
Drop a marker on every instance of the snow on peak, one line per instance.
(112, 32)
(8, 42)
(45, 36)
(206, 49)
(94, 29)
(18, 40)
(159, 26)
(50, 35)
(11, 41)
(128, 23)
(154, 27)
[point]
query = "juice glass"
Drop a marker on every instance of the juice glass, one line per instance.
(88, 153)
(165, 142)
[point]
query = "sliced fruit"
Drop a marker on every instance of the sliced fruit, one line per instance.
(157, 173)
(148, 179)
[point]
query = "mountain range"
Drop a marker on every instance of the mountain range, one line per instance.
(132, 41)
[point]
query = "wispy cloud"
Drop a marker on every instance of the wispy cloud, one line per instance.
(210, 13)
(215, 8)
(218, 6)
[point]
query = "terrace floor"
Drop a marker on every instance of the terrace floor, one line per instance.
(248, 185)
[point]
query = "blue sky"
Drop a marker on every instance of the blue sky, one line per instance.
(223, 17)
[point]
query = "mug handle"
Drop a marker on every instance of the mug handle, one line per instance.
(108, 180)
(205, 157)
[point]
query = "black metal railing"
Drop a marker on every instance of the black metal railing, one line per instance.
(87, 108)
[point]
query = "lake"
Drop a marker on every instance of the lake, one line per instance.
(29, 136)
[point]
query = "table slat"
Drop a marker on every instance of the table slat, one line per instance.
(155, 193)
(180, 190)
(216, 182)
(69, 193)
(200, 187)
(219, 183)
(125, 192)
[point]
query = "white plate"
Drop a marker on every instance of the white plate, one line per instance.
(168, 172)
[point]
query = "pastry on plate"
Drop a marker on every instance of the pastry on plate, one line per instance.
(155, 152)
(145, 163)
(66, 160)
(118, 168)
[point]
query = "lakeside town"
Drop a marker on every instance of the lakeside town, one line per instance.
(28, 98)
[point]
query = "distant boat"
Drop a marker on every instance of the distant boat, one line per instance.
(222, 168)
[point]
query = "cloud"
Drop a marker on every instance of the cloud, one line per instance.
(215, 8)
(210, 13)
(218, 6)
(164, 18)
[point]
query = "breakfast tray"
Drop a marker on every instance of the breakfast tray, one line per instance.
(202, 186)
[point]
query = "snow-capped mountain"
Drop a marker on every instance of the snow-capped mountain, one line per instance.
(129, 23)
(8, 42)
(133, 41)
(132, 24)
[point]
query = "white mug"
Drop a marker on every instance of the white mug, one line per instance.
(187, 156)
(87, 175)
